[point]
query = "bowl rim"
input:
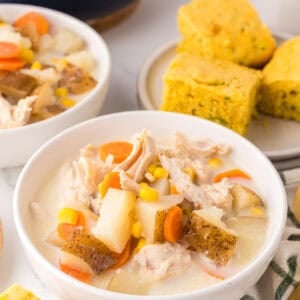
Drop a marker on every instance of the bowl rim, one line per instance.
(104, 61)
(262, 258)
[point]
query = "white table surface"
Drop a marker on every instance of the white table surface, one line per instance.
(130, 43)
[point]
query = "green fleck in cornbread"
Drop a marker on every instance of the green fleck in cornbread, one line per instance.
(281, 82)
(230, 30)
(217, 90)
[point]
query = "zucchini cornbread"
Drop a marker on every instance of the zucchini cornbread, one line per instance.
(229, 30)
(217, 90)
(281, 82)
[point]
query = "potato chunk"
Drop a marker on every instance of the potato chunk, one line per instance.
(208, 234)
(116, 217)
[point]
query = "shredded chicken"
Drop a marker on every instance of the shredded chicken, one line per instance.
(159, 261)
(128, 184)
(204, 195)
(15, 115)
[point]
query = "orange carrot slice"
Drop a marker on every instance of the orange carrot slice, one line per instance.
(81, 219)
(234, 173)
(173, 226)
(124, 256)
(11, 64)
(65, 230)
(80, 275)
(40, 22)
(111, 180)
(9, 50)
(119, 150)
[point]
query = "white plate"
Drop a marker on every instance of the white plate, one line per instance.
(277, 138)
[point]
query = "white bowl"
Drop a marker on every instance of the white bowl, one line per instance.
(161, 124)
(18, 144)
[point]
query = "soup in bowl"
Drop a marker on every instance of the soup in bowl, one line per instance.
(150, 204)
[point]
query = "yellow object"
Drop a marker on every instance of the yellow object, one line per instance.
(36, 66)
(190, 172)
(152, 168)
(215, 162)
(229, 30)
(144, 185)
(102, 188)
(16, 292)
(148, 194)
(61, 92)
(136, 229)
(280, 95)
(220, 91)
(257, 211)
(61, 63)
(160, 172)
(27, 55)
(68, 215)
(141, 243)
(67, 102)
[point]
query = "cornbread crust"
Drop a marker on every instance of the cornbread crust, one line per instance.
(220, 91)
(230, 30)
(281, 83)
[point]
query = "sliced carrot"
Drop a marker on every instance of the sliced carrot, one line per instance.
(124, 256)
(9, 50)
(119, 150)
(111, 180)
(40, 22)
(81, 219)
(173, 226)
(234, 173)
(64, 230)
(11, 64)
(82, 276)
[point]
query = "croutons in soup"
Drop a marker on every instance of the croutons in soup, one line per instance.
(142, 217)
(44, 70)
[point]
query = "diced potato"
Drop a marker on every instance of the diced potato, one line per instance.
(162, 186)
(152, 217)
(244, 197)
(116, 217)
(82, 59)
(208, 234)
(88, 248)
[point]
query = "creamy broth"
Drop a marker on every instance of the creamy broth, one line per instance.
(171, 267)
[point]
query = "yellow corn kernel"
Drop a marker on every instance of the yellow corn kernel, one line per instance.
(148, 194)
(144, 185)
(68, 215)
(215, 163)
(36, 66)
(257, 211)
(67, 102)
(152, 168)
(27, 55)
(102, 188)
(136, 229)
(141, 243)
(190, 172)
(61, 92)
(60, 63)
(160, 172)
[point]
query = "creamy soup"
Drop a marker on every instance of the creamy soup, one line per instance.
(142, 217)
(44, 70)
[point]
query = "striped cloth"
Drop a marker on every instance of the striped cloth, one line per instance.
(283, 274)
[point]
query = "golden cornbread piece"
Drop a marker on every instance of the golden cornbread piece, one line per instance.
(280, 95)
(220, 91)
(230, 30)
(16, 292)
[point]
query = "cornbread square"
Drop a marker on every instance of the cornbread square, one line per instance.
(217, 90)
(16, 292)
(281, 82)
(230, 30)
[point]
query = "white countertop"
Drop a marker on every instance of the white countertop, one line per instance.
(130, 43)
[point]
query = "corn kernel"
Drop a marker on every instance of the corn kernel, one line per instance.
(102, 188)
(27, 55)
(190, 172)
(215, 163)
(61, 63)
(136, 229)
(152, 168)
(36, 66)
(257, 211)
(173, 190)
(141, 243)
(160, 172)
(144, 185)
(68, 215)
(148, 194)
(61, 92)
(67, 102)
